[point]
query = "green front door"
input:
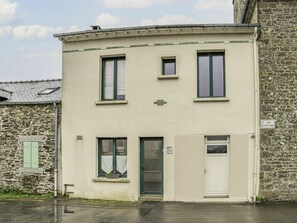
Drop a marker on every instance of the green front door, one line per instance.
(151, 165)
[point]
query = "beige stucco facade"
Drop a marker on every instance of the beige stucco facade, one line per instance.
(183, 122)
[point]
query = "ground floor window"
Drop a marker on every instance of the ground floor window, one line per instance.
(112, 157)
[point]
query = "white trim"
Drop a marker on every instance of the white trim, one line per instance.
(111, 102)
(212, 99)
(168, 76)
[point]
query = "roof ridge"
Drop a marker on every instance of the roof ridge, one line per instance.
(29, 81)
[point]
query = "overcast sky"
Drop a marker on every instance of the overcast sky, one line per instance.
(28, 50)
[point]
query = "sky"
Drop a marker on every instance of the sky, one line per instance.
(28, 50)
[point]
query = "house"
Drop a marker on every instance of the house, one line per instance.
(278, 93)
(163, 112)
(29, 136)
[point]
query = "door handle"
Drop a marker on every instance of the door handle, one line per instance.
(205, 170)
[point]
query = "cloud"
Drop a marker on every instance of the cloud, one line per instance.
(5, 30)
(74, 28)
(216, 5)
(133, 3)
(34, 31)
(107, 20)
(169, 19)
(41, 55)
(7, 10)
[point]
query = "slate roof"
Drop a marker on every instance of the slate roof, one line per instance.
(27, 92)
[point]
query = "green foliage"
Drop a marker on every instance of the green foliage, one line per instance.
(260, 199)
(7, 192)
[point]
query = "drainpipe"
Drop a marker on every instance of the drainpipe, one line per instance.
(56, 152)
(257, 119)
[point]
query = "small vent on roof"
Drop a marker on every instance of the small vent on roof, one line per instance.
(95, 27)
(48, 91)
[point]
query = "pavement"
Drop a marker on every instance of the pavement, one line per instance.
(72, 210)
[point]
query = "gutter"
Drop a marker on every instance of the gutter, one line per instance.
(257, 119)
(56, 152)
(30, 103)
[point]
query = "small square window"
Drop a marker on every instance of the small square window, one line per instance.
(168, 66)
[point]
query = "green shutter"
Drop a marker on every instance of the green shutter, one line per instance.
(31, 154)
(35, 155)
(27, 154)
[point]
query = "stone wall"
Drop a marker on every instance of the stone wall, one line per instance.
(238, 6)
(278, 97)
(16, 123)
(251, 14)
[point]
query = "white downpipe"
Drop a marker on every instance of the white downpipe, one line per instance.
(257, 119)
(56, 152)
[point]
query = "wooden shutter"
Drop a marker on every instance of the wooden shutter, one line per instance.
(35, 155)
(27, 154)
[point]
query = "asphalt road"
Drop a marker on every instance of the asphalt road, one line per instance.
(76, 211)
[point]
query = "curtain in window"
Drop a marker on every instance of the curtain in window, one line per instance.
(108, 79)
(106, 165)
(121, 79)
(122, 164)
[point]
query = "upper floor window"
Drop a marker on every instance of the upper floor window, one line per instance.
(168, 66)
(211, 74)
(113, 78)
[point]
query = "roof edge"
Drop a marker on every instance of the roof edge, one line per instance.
(29, 81)
(136, 28)
(30, 103)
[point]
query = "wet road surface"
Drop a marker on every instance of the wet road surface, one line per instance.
(66, 210)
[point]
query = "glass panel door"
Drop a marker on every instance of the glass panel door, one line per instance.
(151, 172)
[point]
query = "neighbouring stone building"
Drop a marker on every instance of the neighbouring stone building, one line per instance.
(29, 135)
(278, 92)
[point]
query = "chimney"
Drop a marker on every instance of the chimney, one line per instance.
(95, 27)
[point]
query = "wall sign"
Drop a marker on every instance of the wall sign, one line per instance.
(160, 102)
(267, 124)
(169, 150)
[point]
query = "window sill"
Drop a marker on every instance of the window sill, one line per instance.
(31, 170)
(214, 99)
(169, 76)
(111, 102)
(110, 180)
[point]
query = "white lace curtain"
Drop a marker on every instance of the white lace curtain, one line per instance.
(107, 164)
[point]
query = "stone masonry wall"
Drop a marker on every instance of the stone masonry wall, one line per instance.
(251, 14)
(278, 98)
(17, 121)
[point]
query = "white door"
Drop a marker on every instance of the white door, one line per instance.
(217, 170)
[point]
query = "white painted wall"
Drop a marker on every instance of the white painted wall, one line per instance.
(182, 122)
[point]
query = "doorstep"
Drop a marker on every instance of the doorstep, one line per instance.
(149, 197)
